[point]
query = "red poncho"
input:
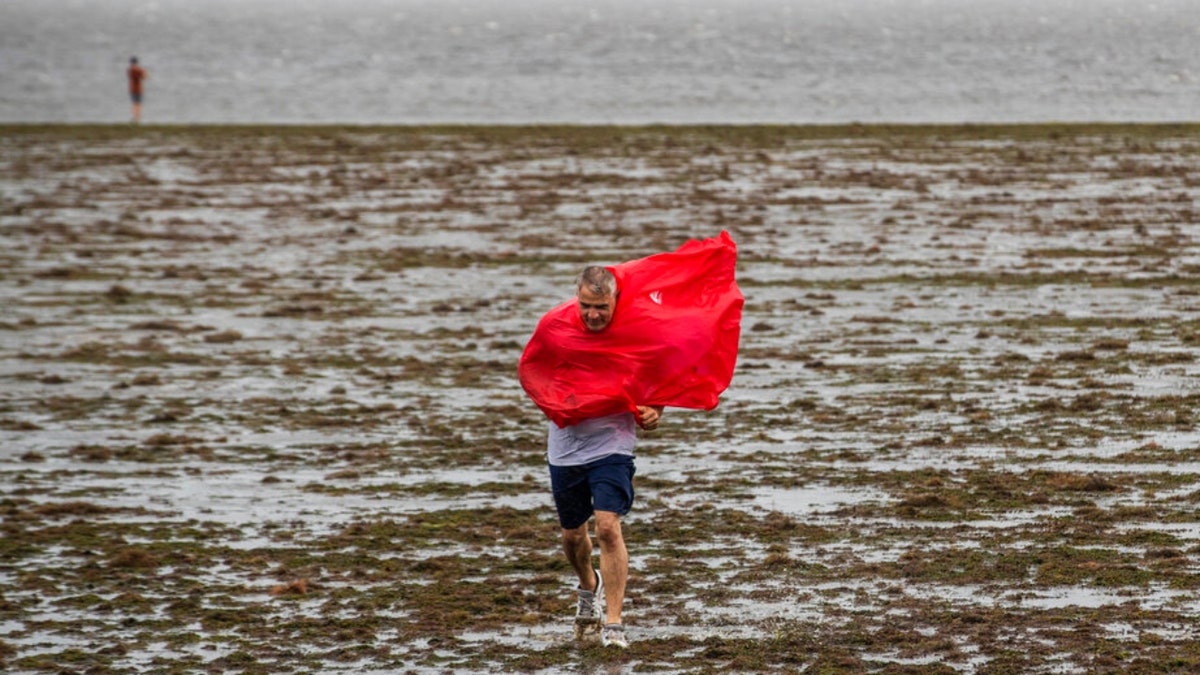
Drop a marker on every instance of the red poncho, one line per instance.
(673, 339)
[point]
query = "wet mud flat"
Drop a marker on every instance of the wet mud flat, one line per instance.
(259, 413)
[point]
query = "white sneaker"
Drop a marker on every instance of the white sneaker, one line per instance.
(613, 635)
(588, 611)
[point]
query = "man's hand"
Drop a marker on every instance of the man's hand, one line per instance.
(648, 416)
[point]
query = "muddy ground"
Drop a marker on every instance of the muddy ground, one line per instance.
(259, 413)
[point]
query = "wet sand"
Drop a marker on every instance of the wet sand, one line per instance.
(259, 413)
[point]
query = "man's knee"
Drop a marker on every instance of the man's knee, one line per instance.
(575, 535)
(608, 527)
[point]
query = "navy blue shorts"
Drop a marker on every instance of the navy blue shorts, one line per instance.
(136, 98)
(603, 485)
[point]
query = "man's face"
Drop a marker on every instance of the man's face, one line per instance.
(595, 310)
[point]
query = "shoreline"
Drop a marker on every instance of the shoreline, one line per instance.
(1016, 131)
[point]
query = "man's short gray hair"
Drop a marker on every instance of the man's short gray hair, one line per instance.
(598, 280)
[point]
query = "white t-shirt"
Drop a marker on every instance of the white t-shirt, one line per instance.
(592, 439)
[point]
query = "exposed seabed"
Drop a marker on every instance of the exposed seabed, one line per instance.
(258, 406)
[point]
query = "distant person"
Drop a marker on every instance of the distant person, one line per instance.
(136, 75)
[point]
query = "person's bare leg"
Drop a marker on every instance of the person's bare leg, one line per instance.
(614, 563)
(578, 547)
(137, 113)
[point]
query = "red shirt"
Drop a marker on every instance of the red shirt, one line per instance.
(136, 75)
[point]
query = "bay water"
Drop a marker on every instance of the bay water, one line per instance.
(602, 61)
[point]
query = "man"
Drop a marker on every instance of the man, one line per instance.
(658, 331)
(136, 75)
(591, 474)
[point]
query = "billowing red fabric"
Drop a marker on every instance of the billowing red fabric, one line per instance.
(673, 339)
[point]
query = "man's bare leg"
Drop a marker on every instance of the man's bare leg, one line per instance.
(578, 547)
(614, 563)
